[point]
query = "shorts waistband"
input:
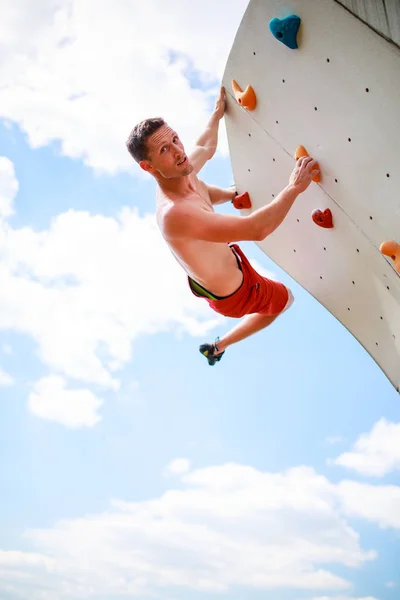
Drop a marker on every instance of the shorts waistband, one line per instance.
(199, 290)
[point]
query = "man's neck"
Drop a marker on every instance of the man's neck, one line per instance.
(178, 186)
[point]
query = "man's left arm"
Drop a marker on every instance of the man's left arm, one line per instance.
(206, 145)
(220, 195)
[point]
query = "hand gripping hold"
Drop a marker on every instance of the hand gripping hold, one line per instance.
(301, 151)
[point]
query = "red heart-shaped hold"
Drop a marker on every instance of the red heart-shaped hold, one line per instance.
(323, 218)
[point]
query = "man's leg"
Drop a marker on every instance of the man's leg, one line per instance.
(248, 326)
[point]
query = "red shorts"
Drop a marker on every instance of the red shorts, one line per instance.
(257, 294)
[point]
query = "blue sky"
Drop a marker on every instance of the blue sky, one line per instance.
(130, 468)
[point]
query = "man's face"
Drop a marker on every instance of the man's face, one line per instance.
(167, 154)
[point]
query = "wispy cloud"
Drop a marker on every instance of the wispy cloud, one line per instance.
(333, 440)
(73, 408)
(5, 379)
(375, 453)
(345, 598)
(391, 584)
(178, 466)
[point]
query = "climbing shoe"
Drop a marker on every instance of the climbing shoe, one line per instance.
(209, 351)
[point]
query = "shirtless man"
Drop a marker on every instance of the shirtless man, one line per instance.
(203, 241)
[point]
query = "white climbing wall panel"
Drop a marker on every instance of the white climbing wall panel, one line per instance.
(338, 95)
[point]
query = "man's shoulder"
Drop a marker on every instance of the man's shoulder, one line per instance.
(175, 217)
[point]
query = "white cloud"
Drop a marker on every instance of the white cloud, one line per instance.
(21, 572)
(178, 466)
(86, 302)
(226, 526)
(374, 453)
(61, 80)
(5, 379)
(332, 440)
(380, 504)
(8, 190)
(10, 558)
(344, 598)
(72, 408)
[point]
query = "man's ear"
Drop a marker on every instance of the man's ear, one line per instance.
(147, 166)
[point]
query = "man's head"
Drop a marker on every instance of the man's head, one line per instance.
(158, 149)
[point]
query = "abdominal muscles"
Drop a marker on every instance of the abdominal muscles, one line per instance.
(212, 265)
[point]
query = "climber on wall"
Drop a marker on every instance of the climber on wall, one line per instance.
(202, 240)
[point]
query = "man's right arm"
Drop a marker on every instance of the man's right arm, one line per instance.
(192, 221)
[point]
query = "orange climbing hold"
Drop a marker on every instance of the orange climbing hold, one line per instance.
(246, 98)
(392, 249)
(301, 151)
(242, 201)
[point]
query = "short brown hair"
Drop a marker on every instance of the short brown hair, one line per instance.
(136, 142)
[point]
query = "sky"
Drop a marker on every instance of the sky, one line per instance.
(130, 468)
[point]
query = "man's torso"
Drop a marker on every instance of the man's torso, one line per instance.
(213, 265)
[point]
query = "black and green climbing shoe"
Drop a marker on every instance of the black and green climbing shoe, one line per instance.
(209, 350)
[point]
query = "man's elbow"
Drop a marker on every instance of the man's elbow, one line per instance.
(211, 150)
(257, 231)
(263, 233)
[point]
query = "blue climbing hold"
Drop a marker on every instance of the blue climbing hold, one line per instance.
(285, 30)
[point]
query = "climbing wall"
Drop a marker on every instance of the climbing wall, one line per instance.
(337, 94)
